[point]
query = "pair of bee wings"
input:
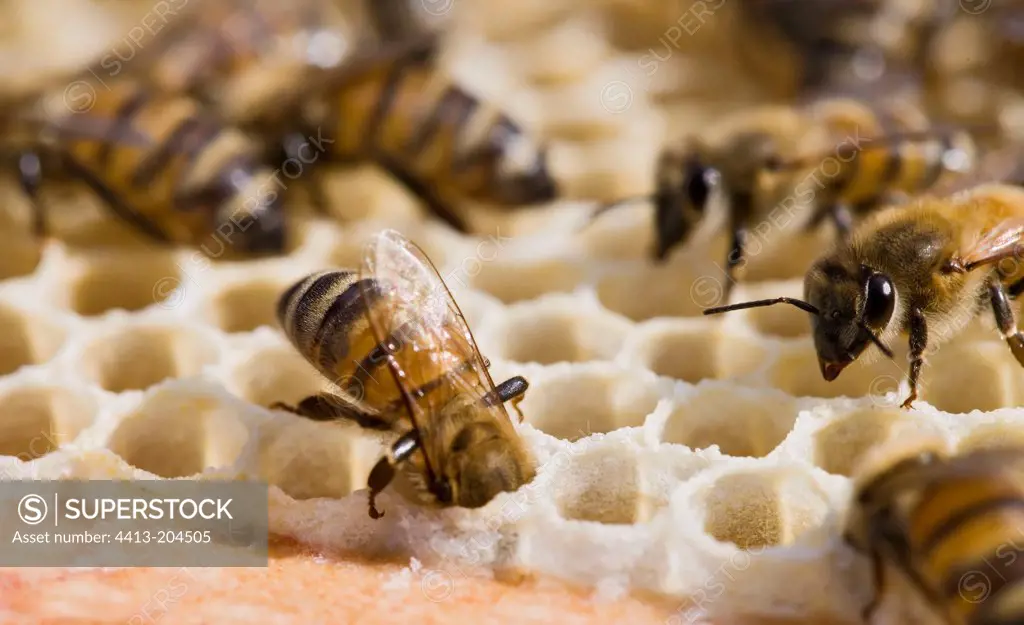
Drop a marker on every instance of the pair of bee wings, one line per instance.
(413, 310)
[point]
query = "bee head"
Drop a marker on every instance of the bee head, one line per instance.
(849, 309)
(854, 308)
(523, 176)
(481, 463)
(266, 233)
(681, 198)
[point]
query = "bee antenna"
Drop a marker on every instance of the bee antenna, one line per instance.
(874, 339)
(802, 305)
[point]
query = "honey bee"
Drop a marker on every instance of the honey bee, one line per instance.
(397, 109)
(160, 163)
(940, 521)
(456, 440)
(839, 157)
(924, 270)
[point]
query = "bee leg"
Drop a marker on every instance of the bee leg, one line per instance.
(1004, 319)
(318, 194)
(842, 219)
(435, 204)
(878, 583)
(918, 343)
(384, 471)
(734, 259)
(327, 407)
(838, 213)
(30, 175)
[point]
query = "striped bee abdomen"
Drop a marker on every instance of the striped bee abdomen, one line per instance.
(968, 534)
(326, 316)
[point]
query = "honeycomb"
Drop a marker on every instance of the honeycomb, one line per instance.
(703, 459)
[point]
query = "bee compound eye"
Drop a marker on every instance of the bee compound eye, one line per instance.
(880, 299)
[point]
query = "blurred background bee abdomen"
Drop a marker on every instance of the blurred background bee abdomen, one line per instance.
(161, 163)
(402, 112)
(952, 526)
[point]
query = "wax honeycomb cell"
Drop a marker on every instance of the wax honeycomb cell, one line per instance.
(180, 434)
(136, 356)
(605, 399)
(701, 458)
(740, 423)
(38, 419)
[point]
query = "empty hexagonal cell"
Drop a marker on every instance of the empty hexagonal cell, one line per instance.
(20, 257)
(573, 406)
(740, 422)
(176, 434)
(599, 484)
(517, 280)
(697, 352)
(972, 375)
(245, 306)
(549, 333)
(647, 290)
(774, 506)
(796, 371)
(28, 338)
(138, 356)
(273, 374)
(308, 460)
(127, 280)
(841, 445)
(36, 420)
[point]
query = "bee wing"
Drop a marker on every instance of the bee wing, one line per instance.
(1002, 241)
(415, 315)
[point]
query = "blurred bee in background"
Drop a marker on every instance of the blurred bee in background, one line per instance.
(399, 110)
(836, 159)
(922, 270)
(363, 74)
(845, 43)
(456, 440)
(951, 526)
(161, 163)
